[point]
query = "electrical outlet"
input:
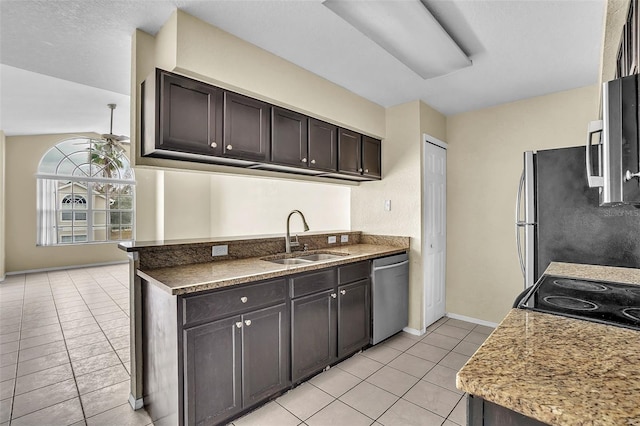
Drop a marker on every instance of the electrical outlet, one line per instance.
(222, 250)
(387, 205)
(332, 239)
(344, 238)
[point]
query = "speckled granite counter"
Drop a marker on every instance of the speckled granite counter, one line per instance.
(185, 279)
(559, 370)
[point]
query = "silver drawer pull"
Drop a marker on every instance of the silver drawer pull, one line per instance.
(214, 145)
(247, 323)
(244, 299)
(313, 161)
(239, 324)
(343, 292)
(304, 160)
(366, 170)
(229, 147)
(333, 295)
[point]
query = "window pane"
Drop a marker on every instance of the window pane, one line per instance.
(79, 231)
(126, 218)
(114, 219)
(67, 215)
(99, 233)
(99, 218)
(80, 216)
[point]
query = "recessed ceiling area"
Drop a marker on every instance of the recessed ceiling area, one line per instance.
(63, 61)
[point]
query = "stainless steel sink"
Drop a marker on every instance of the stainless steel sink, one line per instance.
(303, 259)
(290, 261)
(319, 256)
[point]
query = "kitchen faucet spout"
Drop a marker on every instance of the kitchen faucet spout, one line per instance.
(288, 242)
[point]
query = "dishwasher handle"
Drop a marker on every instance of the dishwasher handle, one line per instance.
(394, 265)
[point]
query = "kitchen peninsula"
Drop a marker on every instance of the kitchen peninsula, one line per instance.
(221, 334)
(550, 369)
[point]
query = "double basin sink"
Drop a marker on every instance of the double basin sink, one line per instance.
(302, 259)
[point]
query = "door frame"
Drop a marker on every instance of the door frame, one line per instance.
(428, 139)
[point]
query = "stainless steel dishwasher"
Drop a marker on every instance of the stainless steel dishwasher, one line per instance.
(389, 296)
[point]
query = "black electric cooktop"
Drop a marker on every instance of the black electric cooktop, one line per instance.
(599, 301)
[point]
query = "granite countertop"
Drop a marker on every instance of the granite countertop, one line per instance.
(192, 278)
(559, 370)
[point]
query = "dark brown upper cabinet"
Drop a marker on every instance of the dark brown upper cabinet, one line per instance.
(323, 144)
(359, 155)
(181, 115)
(247, 124)
(289, 138)
(185, 119)
(371, 157)
(349, 152)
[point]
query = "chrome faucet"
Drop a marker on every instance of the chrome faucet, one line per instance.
(288, 242)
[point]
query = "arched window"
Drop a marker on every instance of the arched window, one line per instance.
(85, 193)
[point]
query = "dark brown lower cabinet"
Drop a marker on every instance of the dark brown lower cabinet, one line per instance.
(234, 363)
(481, 412)
(212, 360)
(313, 333)
(354, 320)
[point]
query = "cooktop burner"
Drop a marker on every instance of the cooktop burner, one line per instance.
(600, 301)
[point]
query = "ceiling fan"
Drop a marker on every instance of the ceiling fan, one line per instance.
(110, 137)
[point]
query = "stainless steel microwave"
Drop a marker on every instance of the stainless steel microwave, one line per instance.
(617, 171)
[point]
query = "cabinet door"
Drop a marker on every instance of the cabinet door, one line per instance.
(323, 142)
(313, 338)
(354, 321)
(212, 358)
(265, 353)
(371, 157)
(190, 116)
(246, 128)
(288, 138)
(349, 152)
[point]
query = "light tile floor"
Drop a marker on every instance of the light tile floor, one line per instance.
(64, 360)
(406, 380)
(64, 348)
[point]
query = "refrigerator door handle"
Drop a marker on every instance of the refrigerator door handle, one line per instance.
(594, 181)
(520, 223)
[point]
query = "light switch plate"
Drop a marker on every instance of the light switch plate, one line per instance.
(344, 238)
(221, 250)
(332, 239)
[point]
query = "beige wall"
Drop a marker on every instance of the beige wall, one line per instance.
(220, 205)
(484, 166)
(23, 154)
(2, 205)
(242, 205)
(402, 184)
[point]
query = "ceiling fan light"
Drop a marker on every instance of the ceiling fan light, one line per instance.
(408, 31)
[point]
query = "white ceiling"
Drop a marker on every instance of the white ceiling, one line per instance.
(64, 60)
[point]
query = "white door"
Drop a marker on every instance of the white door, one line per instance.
(435, 228)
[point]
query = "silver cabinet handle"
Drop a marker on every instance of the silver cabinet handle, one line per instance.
(313, 161)
(360, 170)
(304, 160)
(333, 295)
(229, 147)
(214, 145)
(628, 175)
(366, 170)
(247, 323)
(343, 292)
(239, 324)
(244, 299)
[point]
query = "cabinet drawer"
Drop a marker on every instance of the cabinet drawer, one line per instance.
(313, 282)
(354, 272)
(211, 306)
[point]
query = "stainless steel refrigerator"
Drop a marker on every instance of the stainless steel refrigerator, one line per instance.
(558, 217)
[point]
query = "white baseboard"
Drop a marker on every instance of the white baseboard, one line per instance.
(473, 320)
(60, 268)
(414, 331)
